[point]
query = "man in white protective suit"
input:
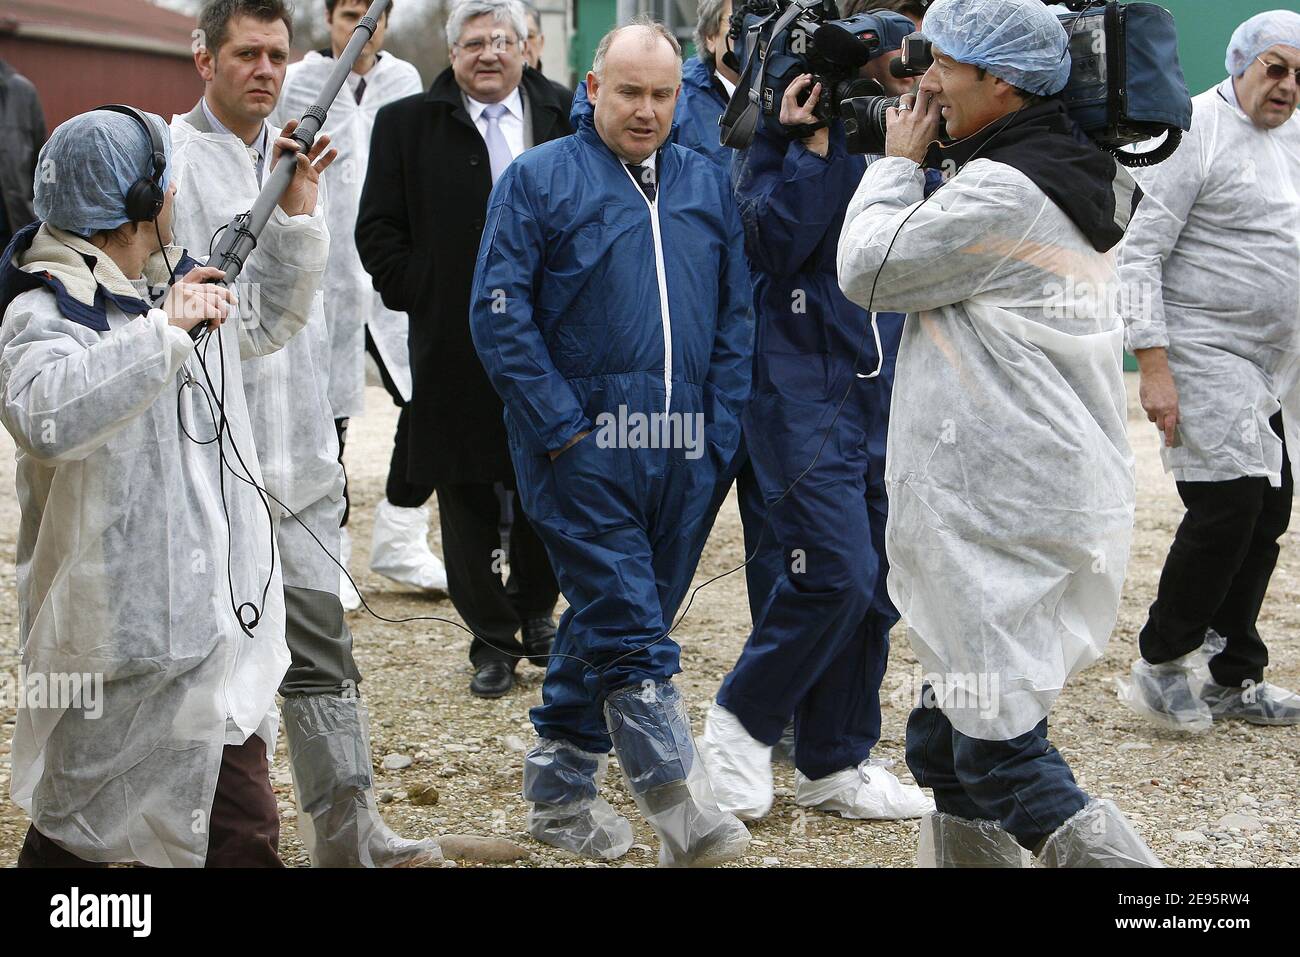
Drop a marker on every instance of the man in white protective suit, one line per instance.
(357, 320)
(150, 607)
(1211, 265)
(1008, 468)
(221, 164)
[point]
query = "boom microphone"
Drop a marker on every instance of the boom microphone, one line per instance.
(240, 236)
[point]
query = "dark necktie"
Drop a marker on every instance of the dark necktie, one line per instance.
(645, 178)
(360, 90)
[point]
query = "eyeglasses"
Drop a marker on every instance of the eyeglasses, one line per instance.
(1278, 71)
(499, 45)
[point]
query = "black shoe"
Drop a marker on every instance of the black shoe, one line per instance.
(539, 636)
(492, 679)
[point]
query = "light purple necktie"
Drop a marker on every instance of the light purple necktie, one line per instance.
(499, 154)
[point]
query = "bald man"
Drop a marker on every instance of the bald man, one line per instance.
(612, 310)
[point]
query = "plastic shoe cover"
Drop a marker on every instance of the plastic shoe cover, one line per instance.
(566, 811)
(399, 548)
(1167, 694)
(652, 736)
(951, 841)
(739, 766)
(783, 750)
(868, 792)
(338, 818)
(1261, 703)
(348, 594)
(1097, 836)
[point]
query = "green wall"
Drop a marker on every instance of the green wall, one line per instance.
(591, 20)
(1204, 29)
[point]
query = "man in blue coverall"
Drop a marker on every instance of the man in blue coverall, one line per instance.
(820, 642)
(612, 310)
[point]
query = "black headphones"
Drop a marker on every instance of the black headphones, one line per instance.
(144, 200)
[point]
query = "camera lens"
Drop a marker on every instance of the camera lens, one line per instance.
(864, 122)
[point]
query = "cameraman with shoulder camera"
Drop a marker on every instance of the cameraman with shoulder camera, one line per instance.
(1010, 477)
(820, 641)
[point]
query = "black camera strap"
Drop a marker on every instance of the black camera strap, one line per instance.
(740, 121)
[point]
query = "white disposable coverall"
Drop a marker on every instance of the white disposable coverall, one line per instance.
(288, 392)
(124, 550)
(1009, 473)
(1210, 268)
(351, 303)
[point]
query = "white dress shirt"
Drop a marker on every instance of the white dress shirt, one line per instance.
(512, 123)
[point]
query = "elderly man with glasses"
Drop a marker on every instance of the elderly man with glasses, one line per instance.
(434, 158)
(1211, 276)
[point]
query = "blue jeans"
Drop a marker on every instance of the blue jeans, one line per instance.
(1023, 783)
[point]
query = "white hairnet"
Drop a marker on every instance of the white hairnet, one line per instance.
(1020, 41)
(88, 167)
(1258, 34)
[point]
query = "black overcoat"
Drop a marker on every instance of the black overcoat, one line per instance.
(418, 231)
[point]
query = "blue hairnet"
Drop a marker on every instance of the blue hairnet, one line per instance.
(1259, 33)
(1020, 41)
(89, 165)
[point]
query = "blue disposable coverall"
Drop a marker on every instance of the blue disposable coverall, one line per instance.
(821, 639)
(701, 103)
(567, 317)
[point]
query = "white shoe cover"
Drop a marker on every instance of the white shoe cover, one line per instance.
(400, 550)
(328, 738)
(1097, 836)
(348, 594)
(562, 787)
(739, 766)
(868, 792)
(1168, 694)
(951, 841)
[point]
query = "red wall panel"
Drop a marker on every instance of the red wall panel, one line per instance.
(72, 78)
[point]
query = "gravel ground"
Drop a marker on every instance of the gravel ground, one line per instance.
(1227, 798)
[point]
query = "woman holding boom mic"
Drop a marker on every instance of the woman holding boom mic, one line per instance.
(134, 548)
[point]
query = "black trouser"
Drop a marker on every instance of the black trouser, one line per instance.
(399, 490)
(1217, 573)
(471, 548)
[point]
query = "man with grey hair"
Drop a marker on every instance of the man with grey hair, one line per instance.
(612, 308)
(434, 158)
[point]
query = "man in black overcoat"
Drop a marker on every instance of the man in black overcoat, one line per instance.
(433, 160)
